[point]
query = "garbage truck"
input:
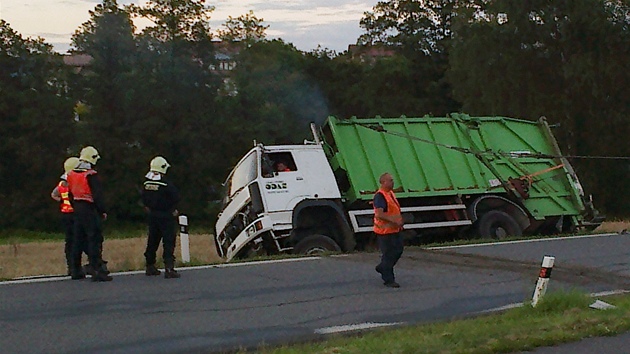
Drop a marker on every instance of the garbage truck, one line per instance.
(455, 176)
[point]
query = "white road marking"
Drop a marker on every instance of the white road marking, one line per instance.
(35, 280)
(610, 293)
(499, 243)
(503, 308)
(369, 325)
(51, 278)
(354, 327)
(520, 304)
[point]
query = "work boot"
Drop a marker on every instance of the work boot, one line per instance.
(152, 270)
(77, 274)
(102, 276)
(88, 269)
(171, 273)
(392, 284)
(104, 267)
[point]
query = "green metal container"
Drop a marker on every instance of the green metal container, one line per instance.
(454, 155)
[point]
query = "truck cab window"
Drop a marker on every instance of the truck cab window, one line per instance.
(277, 163)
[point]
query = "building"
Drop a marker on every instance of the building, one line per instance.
(370, 53)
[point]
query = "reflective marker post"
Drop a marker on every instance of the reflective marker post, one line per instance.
(543, 279)
(183, 237)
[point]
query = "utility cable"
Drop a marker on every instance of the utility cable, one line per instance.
(381, 129)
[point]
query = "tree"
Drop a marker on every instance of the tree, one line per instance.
(389, 87)
(36, 128)
(416, 25)
(177, 88)
(420, 31)
(110, 90)
(108, 37)
(175, 19)
(246, 28)
(276, 98)
(566, 60)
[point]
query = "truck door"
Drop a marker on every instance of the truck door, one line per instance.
(283, 182)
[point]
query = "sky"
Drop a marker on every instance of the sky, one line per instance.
(333, 24)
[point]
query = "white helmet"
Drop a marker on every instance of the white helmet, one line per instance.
(70, 164)
(89, 154)
(159, 164)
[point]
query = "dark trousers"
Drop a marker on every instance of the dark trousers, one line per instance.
(88, 235)
(161, 228)
(391, 246)
(67, 220)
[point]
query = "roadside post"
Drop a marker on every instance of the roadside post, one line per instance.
(543, 279)
(183, 237)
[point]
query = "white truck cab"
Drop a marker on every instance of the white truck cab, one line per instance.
(267, 210)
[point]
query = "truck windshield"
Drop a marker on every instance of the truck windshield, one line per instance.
(242, 175)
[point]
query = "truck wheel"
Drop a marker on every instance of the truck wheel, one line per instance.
(316, 244)
(496, 224)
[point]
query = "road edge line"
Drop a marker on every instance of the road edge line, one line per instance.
(56, 277)
(499, 243)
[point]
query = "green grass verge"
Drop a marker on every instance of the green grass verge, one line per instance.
(560, 318)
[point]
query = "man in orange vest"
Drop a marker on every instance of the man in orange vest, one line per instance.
(281, 166)
(61, 195)
(89, 208)
(388, 223)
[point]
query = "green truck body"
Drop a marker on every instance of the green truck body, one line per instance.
(455, 155)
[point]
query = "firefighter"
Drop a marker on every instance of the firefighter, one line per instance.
(61, 195)
(86, 193)
(160, 198)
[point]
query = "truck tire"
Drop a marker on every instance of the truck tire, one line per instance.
(316, 244)
(496, 224)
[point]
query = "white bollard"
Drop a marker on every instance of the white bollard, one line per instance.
(183, 237)
(543, 279)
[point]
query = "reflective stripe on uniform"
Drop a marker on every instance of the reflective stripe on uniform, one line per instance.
(65, 205)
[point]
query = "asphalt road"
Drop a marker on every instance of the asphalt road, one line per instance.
(242, 306)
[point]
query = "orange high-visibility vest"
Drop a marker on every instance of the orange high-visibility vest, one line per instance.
(78, 185)
(65, 205)
(382, 227)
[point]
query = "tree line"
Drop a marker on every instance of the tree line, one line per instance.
(157, 91)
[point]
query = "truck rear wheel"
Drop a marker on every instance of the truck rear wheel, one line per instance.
(496, 224)
(316, 244)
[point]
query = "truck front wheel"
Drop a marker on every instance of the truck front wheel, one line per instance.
(496, 224)
(316, 244)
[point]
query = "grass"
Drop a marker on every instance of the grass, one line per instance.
(12, 236)
(9, 237)
(123, 254)
(614, 226)
(559, 318)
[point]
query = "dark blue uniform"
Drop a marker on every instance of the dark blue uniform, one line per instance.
(161, 198)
